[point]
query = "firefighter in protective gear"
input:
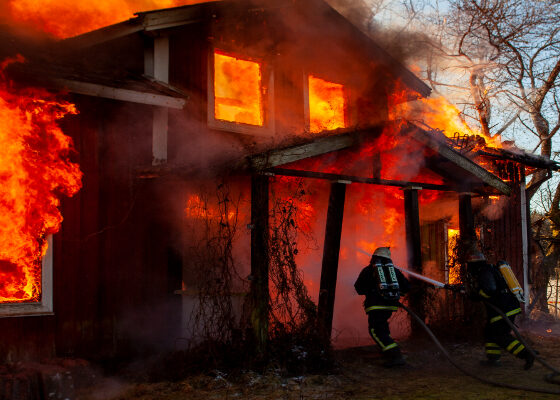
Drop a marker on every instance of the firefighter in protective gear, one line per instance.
(491, 287)
(379, 306)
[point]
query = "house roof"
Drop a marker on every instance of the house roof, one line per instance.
(124, 87)
(459, 172)
(151, 21)
(447, 162)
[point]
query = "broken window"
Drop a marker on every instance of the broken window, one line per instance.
(27, 291)
(238, 95)
(326, 105)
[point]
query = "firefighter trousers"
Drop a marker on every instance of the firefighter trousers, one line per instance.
(378, 324)
(497, 334)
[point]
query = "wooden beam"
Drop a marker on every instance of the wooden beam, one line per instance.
(102, 35)
(154, 20)
(466, 221)
(160, 121)
(295, 153)
(161, 58)
(358, 179)
(259, 259)
(133, 96)
(414, 247)
(331, 250)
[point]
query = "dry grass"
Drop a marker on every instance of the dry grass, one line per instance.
(359, 375)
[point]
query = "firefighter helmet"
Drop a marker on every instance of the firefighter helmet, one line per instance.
(384, 252)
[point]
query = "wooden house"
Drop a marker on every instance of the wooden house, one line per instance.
(246, 93)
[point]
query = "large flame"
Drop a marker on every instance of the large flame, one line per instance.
(439, 113)
(326, 105)
(237, 90)
(34, 171)
(66, 18)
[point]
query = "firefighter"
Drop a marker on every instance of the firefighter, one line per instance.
(488, 284)
(381, 301)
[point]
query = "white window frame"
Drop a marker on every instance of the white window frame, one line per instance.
(268, 127)
(45, 306)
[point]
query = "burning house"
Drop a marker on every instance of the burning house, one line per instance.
(228, 149)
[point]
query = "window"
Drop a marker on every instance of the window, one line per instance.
(43, 305)
(326, 105)
(239, 93)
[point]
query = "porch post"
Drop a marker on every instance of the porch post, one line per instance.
(331, 249)
(466, 224)
(413, 245)
(259, 259)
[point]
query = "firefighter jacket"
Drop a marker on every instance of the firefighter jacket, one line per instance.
(366, 284)
(493, 288)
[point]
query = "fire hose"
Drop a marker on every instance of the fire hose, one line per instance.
(555, 372)
(549, 378)
(467, 372)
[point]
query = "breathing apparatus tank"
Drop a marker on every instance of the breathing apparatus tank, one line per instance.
(511, 280)
(387, 281)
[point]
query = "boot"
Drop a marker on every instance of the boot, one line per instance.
(491, 362)
(529, 360)
(394, 358)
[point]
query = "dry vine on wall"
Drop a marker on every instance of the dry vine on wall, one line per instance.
(212, 229)
(293, 315)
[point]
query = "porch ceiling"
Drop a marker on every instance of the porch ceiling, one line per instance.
(460, 173)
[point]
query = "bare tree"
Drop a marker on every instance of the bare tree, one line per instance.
(509, 53)
(512, 49)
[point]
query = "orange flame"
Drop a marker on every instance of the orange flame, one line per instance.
(237, 90)
(198, 208)
(66, 18)
(34, 171)
(452, 237)
(438, 113)
(326, 105)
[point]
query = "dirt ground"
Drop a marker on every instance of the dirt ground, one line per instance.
(359, 375)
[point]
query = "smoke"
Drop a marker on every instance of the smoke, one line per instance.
(370, 16)
(494, 208)
(359, 12)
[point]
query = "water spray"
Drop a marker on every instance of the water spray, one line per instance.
(413, 274)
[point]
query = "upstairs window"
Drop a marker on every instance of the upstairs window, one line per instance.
(240, 94)
(326, 105)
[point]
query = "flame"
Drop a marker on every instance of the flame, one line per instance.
(237, 90)
(198, 208)
(452, 237)
(326, 105)
(34, 171)
(66, 18)
(438, 113)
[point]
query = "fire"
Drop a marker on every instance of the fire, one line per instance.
(452, 237)
(198, 208)
(237, 90)
(326, 105)
(438, 113)
(34, 171)
(66, 18)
